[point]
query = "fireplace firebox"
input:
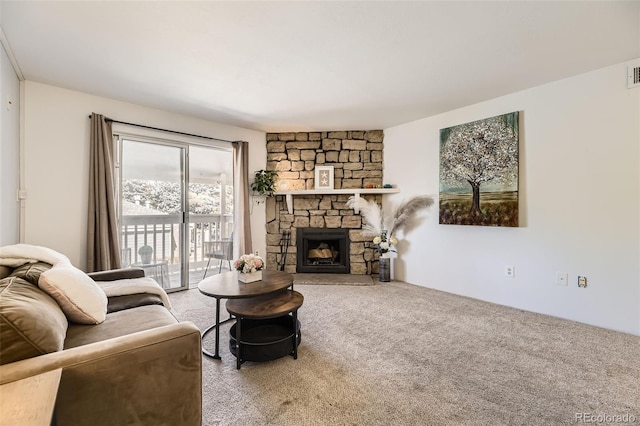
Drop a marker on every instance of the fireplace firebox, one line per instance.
(322, 250)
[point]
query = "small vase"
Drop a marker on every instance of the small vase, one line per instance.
(249, 277)
(384, 268)
(145, 253)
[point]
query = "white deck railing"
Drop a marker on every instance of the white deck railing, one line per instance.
(162, 234)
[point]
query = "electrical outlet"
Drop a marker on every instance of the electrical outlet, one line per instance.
(582, 282)
(562, 278)
(509, 271)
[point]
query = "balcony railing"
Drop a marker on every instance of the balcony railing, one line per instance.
(162, 234)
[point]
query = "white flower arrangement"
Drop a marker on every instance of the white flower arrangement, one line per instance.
(384, 244)
(249, 263)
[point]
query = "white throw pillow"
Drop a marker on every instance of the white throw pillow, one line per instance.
(79, 297)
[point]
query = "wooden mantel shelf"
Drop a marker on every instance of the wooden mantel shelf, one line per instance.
(355, 191)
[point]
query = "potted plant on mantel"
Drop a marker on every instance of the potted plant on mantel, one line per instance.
(264, 183)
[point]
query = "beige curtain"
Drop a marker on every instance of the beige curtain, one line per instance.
(103, 252)
(242, 222)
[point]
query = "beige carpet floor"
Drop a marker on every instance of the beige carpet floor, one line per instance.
(398, 354)
(333, 279)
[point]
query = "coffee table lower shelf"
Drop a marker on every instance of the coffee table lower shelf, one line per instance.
(266, 339)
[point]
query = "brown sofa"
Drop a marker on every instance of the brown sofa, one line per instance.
(140, 366)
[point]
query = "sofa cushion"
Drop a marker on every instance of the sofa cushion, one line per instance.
(31, 322)
(4, 271)
(80, 298)
(119, 324)
(31, 271)
(128, 301)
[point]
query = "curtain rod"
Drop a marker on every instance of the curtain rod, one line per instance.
(165, 130)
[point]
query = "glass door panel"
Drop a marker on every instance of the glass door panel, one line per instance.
(152, 210)
(210, 217)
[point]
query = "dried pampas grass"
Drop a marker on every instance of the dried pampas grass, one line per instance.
(374, 219)
(371, 212)
(408, 209)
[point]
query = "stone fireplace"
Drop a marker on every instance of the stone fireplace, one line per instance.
(357, 160)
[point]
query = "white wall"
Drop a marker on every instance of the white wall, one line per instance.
(579, 204)
(9, 152)
(56, 138)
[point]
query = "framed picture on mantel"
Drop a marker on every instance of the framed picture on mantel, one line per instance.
(324, 177)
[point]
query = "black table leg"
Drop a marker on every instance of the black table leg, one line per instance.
(215, 326)
(217, 355)
(238, 342)
(295, 334)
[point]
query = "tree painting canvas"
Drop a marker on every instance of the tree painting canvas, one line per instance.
(479, 172)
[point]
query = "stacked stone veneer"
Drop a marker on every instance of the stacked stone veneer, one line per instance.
(357, 160)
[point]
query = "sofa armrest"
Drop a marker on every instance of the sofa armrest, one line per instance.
(150, 377)
(117, 274)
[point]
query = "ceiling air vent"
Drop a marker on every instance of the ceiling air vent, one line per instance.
(633, 75)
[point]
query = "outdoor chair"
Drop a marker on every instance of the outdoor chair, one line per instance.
(221, 250)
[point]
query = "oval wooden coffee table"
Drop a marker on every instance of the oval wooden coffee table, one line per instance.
(264, 330)
(227, 286)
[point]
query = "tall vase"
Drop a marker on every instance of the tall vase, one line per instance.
(384, 268)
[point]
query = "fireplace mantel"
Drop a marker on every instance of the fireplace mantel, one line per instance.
(355, 191)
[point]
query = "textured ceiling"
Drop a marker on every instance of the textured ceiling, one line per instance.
(278, 66)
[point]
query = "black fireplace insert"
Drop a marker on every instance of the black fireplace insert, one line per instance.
(322, 250)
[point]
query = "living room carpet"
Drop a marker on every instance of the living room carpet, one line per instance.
(399, 354)
(333, 279)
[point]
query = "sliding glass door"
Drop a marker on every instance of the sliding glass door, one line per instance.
(176, 199)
